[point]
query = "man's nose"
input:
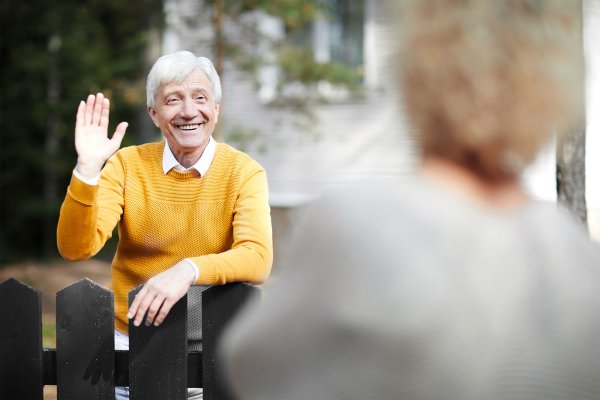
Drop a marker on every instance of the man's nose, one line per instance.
(188, 109)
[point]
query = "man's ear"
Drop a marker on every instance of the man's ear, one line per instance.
(153, 115)
(217, 108)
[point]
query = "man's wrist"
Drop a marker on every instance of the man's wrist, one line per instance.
(90, 181)
(88, 170)
(194, 268)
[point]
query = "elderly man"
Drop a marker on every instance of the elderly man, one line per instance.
(189, 210)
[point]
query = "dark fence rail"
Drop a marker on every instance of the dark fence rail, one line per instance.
(85, 365)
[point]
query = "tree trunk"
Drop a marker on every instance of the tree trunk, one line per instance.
(219, 49)
(570, 174)
(146, 131)
(217, 21)
(570, 155)
(51, 147)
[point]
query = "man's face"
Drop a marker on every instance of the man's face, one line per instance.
(186, 113)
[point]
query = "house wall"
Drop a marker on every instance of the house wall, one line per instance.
(592, 54)
(359, 138)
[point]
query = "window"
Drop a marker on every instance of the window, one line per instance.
(337, 35)
(326, 54)
(345, 24)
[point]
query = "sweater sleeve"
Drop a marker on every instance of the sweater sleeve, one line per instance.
(89, 213)
(251, 255)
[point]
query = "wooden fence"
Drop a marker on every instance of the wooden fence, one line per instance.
(85, 365)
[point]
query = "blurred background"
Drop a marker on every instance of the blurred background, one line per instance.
(309, 91)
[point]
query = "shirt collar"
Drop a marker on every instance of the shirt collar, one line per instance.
(169, 161)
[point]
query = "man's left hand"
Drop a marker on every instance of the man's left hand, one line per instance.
(160, 293)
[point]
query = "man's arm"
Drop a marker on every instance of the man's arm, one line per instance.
(89, 213)
(249, 259)
(79, 235)
(251, 254)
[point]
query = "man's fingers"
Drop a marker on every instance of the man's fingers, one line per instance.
(98, 106)
(137, 301)
(156, 299)
(134, 307)
(80, 118)
(164, 310)
(89, 109)
(146, 301)
(119, 133)
(153, 309)
(104, 113)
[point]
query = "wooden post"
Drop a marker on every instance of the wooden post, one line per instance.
(219, 305)
(85, 342)
(21, 371)
(85, 364)
(158, 356)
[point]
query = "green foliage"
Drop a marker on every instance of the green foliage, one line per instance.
(53, 54)
(291, 55)
(247, 139)
(293, 13)
(298, 65)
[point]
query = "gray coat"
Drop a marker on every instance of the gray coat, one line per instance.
(408, 291)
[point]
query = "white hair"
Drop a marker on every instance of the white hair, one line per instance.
(175, 68)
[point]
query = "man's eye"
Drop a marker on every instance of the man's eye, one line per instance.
(172, 100)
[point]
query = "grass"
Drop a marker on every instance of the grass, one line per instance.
(49, 335)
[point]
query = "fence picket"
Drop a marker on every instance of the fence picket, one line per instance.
(21, 367)
(158, 364)
(219, 305)
(158, 356)
(85, 342)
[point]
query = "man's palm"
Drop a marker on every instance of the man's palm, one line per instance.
(92, 143)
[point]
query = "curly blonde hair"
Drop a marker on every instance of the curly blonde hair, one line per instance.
(487, 82)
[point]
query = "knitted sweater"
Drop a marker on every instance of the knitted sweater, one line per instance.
(220, 220)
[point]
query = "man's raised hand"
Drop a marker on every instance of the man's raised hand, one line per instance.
(92, 143)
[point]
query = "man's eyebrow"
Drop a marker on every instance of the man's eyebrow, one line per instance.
(171, 93)
(200, 90)
(193, 90)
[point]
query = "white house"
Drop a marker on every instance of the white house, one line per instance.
(355, 138)
(592, 53)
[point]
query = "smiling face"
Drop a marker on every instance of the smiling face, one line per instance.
(186, 114)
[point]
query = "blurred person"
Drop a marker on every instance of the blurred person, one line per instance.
(450, 284)
(189, 210)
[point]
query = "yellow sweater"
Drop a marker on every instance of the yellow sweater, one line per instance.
(220, 220)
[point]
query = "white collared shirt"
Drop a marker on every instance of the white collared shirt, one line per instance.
(169, 161)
